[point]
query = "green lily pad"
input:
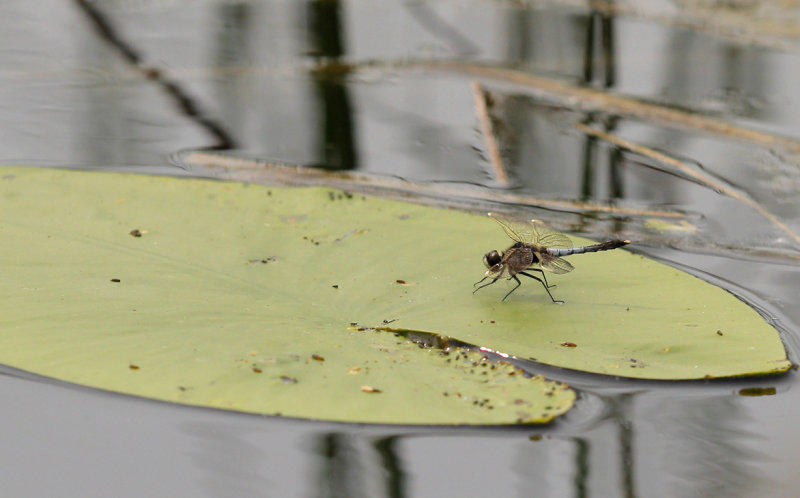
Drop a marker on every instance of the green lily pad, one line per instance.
(225, 295)
(218, 280)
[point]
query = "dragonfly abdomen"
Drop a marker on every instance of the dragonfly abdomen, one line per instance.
(603, 246)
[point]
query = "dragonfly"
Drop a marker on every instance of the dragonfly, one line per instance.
(536, 248)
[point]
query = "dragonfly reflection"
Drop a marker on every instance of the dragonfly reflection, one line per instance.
(536, 248)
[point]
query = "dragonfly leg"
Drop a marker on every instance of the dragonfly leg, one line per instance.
(543, 276)
(484, 285)
(515, 287)
(541, 282)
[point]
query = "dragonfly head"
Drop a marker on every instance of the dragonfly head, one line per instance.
(492, 258)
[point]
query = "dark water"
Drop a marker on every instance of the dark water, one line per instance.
(122, 84)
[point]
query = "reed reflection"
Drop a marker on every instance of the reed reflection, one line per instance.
(337, 141)
(355, 465)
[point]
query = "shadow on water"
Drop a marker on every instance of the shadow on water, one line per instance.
(282, 80)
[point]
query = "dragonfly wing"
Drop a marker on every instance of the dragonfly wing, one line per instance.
(554, 264)
(520, 232)
(547, 237)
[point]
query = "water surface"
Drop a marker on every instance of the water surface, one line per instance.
(116, 85)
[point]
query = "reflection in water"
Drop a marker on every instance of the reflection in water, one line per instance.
(358, 466)
(187, 104)
(667, 445)
(80, 102)
(392, 466)
(541, 468)
(703, 73)
(590, 163)
(698, 446)
(530, 138)
(232, 464)
(339, 474)
(620, 414)
(600, 59)
(581, 467)
(337, 144)
(604, 56)
(532, 143)
(431, 21)
(605, 456)
(231, 51)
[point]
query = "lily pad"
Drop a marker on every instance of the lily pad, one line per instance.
(229, 296)
(180, 289)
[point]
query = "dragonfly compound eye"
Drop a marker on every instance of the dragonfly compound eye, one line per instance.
(491, 258)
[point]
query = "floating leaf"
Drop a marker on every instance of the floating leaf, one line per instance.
(233, 296)
(234, 288)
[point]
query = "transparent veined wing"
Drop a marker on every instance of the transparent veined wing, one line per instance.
(520, 232)
(534, 233)
(547, 237)
(554, 264)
